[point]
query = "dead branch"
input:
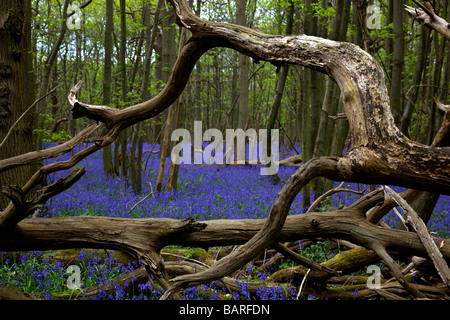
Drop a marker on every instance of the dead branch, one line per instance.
(317, 202)
(421, 229)
(8, 293)
(427, 16)
(36, 156)
(23, 208)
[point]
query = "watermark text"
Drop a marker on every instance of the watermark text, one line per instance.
(216, 152)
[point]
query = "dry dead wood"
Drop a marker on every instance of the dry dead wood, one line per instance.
(380, 154)
(426, 15)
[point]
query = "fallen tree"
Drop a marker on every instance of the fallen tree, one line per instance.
(379, 154)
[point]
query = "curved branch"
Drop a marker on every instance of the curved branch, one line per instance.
(35, 156)
(23, 207)
(269, 232)
(118, 120)
(381, 154)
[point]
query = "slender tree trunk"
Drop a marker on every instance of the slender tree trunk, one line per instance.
(417, 78)
(137, 139)
(389, 41)
(325, 137)
(396, 92)
(279, 89)
(107, 77)
(168, 59)
(123, 84)
(244, 64)
(313, 100)
(48, 67)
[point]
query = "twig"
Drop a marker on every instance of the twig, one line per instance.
(329, 193)
(303, 282)
(140, 201)
(23, 115)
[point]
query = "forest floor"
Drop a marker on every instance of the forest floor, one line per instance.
(205, 192)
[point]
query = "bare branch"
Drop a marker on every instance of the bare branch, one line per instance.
(421, 229)
(316, 202)
(24, 207)
(441, 106)
(23, 114)
(429, 18)
(35, 156)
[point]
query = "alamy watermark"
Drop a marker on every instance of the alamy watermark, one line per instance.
(74, 17)
(216, 152)
(74, 279)
(374, 17)
(374, 281)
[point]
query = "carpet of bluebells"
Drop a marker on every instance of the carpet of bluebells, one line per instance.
(205, 192)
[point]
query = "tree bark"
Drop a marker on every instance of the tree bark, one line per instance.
(107, 78)
(244, 64)
(16, 88)
(396, 90)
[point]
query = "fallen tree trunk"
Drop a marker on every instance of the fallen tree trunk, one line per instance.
(137, 236)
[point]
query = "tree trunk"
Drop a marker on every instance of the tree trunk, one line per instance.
(107, 78)
(16, 88)
(279, 89)
(396, 92)
(313, 100)
(244, 64)
(417, 78)
(168, 61)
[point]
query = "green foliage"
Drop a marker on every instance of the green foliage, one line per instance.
(317, 252)
(48, 136)
(326, 13)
